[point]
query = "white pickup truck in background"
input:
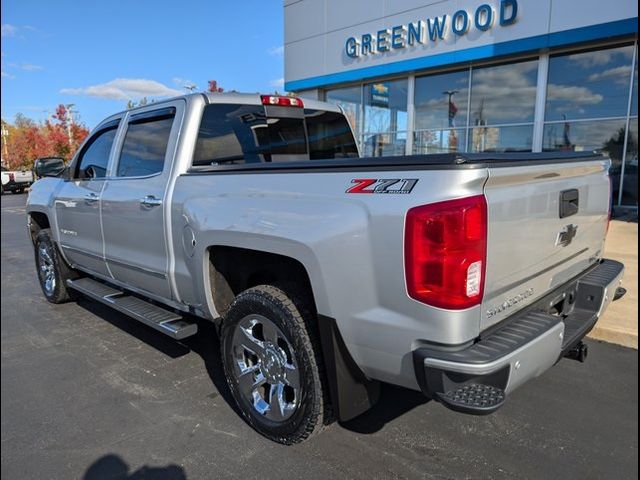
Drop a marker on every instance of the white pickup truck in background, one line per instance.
(16, 181)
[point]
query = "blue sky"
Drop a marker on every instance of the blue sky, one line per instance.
(97, 54)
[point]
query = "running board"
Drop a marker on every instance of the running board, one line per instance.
(163, 320)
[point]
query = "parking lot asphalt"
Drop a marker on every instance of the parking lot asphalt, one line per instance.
(89, 393)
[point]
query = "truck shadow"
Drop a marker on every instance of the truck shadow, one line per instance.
(113, 467)
(394, 401)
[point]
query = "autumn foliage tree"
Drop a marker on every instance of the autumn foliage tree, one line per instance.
(26, 140)
(213, 87)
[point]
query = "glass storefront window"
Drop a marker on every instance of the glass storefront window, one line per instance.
(350, 100)
(384, 144)
(634, 96)
(439, 141)
(501, 139)
(503, 94)
(589, 84)
(441, 101)
(606, 136)
(630, 180)
(385, 106)
(599, 135)
(492, 109)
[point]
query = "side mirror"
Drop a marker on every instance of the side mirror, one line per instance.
(49, 167)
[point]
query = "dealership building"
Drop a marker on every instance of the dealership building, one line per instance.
(420, 76)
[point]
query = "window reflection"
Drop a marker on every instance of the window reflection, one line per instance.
(634, 96)
(630, 181)
(441, 101)
(589, 84)
(501, 139)
(605, 136)
(385, 106)
(503, 94)
(385, 144)
(145, 147)
(350, 100)
(583, 89)
(439, 141)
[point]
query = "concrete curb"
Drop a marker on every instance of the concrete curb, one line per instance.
(618, 336)
(619, 324)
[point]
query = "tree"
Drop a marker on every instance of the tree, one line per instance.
(141, 103)
(615, 145)
(213, 87)
(26, 140)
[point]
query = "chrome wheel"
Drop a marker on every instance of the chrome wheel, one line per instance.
(265, 368)
(47, 269)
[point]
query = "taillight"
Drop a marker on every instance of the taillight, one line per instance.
(281, 101)
(12, 177)
(445, 250)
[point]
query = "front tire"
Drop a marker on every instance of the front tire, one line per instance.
(273, 364)
(53, 271)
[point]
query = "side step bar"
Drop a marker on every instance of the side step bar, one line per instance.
(163, 320)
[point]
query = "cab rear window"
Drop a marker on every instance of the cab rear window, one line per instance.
(238, 134)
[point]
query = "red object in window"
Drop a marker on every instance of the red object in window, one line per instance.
(446, 252)
(12, 177)
(281, 101)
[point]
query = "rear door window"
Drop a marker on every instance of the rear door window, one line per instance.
(145, 145)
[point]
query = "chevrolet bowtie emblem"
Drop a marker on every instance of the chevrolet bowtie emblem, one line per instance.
(566, 235)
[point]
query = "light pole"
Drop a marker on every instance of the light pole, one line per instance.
(69, 106)
(5, 134)
(451, 113)
(450, 93)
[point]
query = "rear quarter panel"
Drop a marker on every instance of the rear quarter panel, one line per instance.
(350, 244)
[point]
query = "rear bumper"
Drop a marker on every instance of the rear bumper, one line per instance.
(476, 379)
(13, 185)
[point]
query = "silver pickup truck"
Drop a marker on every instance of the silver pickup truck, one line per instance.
(461, 275)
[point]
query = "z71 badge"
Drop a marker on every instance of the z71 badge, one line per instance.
(382, 185)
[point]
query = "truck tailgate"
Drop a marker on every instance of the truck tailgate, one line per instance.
(22, 176)
(546, 224)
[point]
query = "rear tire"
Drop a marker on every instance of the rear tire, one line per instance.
(53, 271)
(273, 364)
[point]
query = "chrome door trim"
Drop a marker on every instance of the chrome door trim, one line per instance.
(81, 251)
(137, 268)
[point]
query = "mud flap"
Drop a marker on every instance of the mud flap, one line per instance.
(352, 393)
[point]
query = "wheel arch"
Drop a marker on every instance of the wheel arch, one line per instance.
(37, 221)
(233, 269)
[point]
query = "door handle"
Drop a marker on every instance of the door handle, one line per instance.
(569, 202)
(91, 197)
(150, 201)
